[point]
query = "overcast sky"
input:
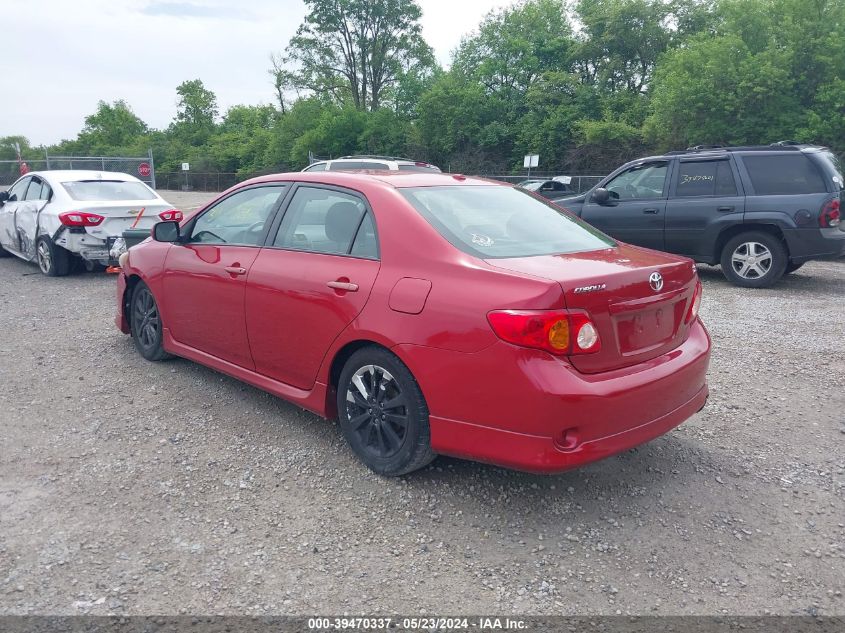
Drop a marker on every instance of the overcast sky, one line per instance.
(62, 56)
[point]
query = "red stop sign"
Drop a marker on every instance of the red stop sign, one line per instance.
(144, 170)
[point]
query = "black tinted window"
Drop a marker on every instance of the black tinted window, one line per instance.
(705, 178)
(783, 174)
(354, 164)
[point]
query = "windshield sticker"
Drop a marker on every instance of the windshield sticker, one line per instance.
(482, 240)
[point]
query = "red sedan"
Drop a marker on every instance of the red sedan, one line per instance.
(429, 313)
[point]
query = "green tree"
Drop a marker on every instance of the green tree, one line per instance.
(112, 126)
(196, 112)
(355, 50)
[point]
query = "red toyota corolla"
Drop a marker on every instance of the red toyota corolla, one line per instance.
(430, 313)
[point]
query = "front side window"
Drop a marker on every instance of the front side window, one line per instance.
(705, 178)
(497, 221)
(108, 190)
(239, 219)
(18, 191)
(327, 221)
(316, 167)
(783, 174)
(644, 181)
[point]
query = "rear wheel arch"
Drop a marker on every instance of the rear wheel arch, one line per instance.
(131, 282)
(737, 229)
(336, 368)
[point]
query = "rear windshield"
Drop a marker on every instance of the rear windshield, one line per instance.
(498, 221)
(784, 174)
(108, 190)
(410, 167)
(346, 165)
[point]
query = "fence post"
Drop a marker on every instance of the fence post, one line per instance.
(152, 168)
(47, 157)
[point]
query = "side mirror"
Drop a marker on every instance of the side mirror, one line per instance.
(166, 232)
(4, 196)
(601, 196)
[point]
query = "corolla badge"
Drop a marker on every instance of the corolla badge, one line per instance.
(655, 280)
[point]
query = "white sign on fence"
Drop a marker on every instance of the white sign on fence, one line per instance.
(186, 166)
(531, 160)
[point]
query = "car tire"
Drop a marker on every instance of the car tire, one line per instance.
(383, 414)
(754, 259)
(53, 260)
(791, 268)
(145, 323)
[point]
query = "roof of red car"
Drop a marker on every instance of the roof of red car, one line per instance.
(399, 179)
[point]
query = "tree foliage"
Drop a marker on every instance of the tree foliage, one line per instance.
(354, 51)
(586, 84)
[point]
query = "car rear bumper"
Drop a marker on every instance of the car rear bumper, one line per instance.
(527, 410)
(807, 244)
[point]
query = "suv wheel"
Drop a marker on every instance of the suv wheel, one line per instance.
(383, 414)
(754, 259)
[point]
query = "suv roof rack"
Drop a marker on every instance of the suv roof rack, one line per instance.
(780, 145)
(378, 157)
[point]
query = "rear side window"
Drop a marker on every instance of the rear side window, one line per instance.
(497, 221)
(784, 174)
(38, 190)
(705, 178)
(327, 221)
(108, 190)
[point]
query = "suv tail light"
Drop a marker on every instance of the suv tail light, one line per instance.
(171, 215)
(80, 218)
(559, 332)
(692, 313)
(831, 214)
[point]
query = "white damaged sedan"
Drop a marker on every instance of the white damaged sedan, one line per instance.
(59, 218)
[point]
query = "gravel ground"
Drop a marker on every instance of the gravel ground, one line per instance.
(135, 488)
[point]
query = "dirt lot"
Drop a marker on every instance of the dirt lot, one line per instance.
(136, 487)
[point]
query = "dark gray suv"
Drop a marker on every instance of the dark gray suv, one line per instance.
(759, 211)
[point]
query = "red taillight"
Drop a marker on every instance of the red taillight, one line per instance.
(692, 313)
(80, 218)
(556, 331)
(171, 215)
(831, 214)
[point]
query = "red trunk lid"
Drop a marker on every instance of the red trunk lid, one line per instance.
(637, 320)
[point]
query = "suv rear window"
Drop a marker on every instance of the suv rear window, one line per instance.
(354, 164)
(108, 190)
(411, 167)
(498, 221)
(784, 174)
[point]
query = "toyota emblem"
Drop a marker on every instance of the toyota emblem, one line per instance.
(655, 280)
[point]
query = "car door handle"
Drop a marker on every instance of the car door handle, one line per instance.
(235, 270)
(651, 210)
(725, 209)
(343, 285)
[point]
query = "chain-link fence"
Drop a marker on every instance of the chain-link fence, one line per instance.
(142, 167)
(198, 181)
